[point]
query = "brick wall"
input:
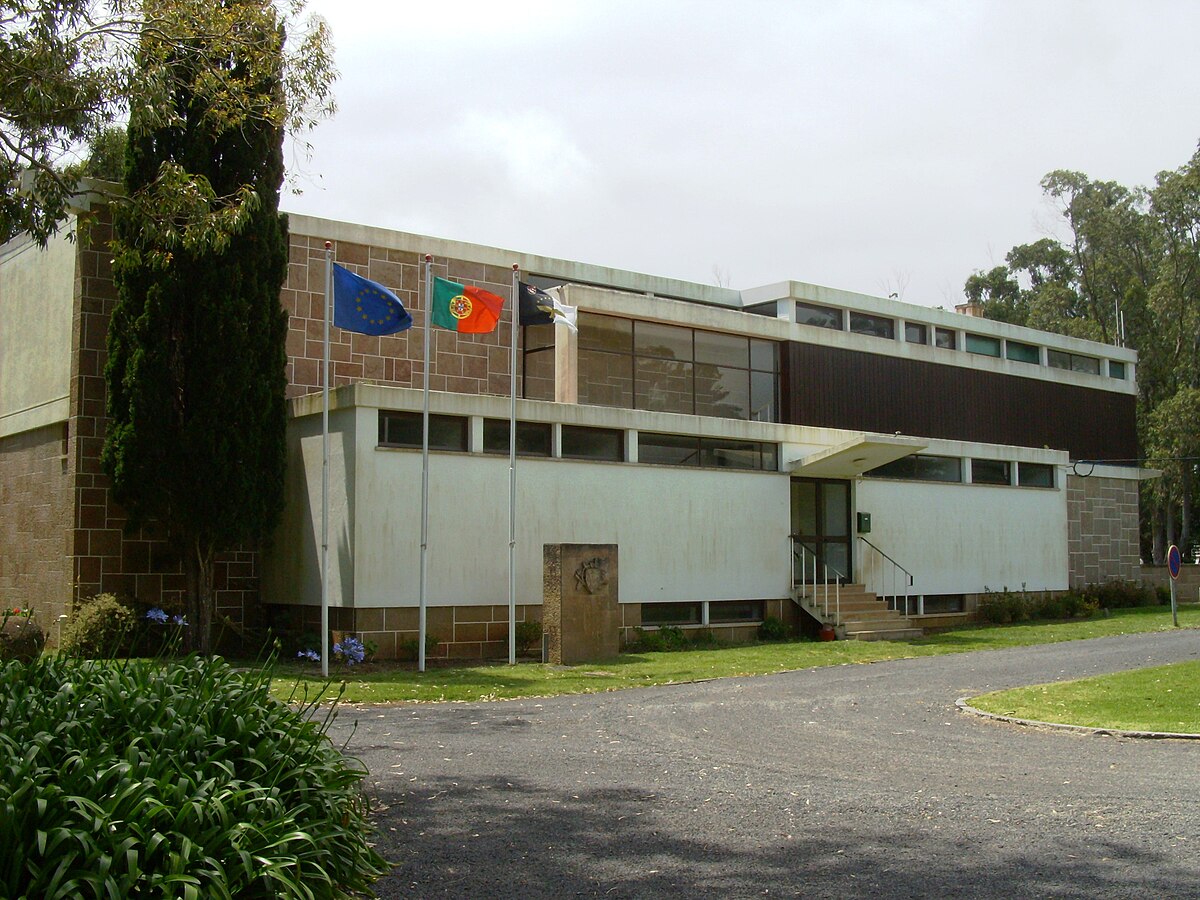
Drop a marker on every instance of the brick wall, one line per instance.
(467, 364)
(35, 493)
(1102, 530)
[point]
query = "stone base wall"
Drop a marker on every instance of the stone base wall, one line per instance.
(1187, 588)
(35, 528)
(463, 632)
(1102, 530)
(733, 633)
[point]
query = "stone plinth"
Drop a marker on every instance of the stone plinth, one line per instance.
(581, 615)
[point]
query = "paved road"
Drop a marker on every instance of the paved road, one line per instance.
(852, 781)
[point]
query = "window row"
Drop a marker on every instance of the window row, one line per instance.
(947, 339)
(718, 612)
(669, 368)
(451, 433)
(922, 467)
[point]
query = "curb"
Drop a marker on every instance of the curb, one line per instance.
(966, 707)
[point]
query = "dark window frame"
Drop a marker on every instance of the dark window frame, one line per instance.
(391, 421)
(580, 430)
(541, 428)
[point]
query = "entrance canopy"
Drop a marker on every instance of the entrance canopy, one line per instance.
(855, 456)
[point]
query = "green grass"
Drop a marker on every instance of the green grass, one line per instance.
(503, 682)
(1165, 698)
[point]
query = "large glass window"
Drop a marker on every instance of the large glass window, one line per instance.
(1035, 475)
(991, 471)
(945, 338)
(533, 438)
(1116, 369)
(1022, 352)
(1060, 359)
(820, 316)
(672, 613)
(721, 612)
(580, 442)
(983, 345)
(537, 363)
(668, 368)
(916, 333)
(878, 326)
(710, 453)
(403, 429)
(919, 467)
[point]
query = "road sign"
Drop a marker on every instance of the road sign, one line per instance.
(1174, 561)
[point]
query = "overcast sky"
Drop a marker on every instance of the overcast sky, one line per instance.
(874, 147)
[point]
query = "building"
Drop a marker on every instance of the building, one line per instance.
(731, 443)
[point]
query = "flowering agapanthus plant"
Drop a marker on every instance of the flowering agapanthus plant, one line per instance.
(312, 655)
(350, 650)
(157, 615)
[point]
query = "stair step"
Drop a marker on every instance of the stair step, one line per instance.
(891, 634)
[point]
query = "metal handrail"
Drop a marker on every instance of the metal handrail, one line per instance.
(895, 570)
(818, 584)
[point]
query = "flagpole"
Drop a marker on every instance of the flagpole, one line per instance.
(325, 465)
(512, 475)
(425, 466)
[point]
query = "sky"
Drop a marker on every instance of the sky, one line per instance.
(874, 147)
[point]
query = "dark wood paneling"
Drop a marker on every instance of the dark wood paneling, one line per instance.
(838, 388)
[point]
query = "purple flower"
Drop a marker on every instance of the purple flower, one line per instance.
(351, 650)
(157, 615)
(310, 654)
(178, 620)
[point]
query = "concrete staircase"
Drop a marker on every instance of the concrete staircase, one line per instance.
(864, 616)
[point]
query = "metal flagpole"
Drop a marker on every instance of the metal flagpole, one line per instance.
(325, 465)
(512, 475)
(425, 465)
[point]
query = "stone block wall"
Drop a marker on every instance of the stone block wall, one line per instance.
(35, 532)
(1102, 530)
(466, 364)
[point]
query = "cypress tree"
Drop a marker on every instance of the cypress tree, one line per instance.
(196, 367)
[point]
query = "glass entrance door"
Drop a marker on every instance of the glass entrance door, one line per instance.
(821, 524)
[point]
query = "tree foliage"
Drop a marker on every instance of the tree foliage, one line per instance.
(195, 373)
(69, 69)
(1128, 270)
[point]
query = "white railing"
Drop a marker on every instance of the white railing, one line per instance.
(808, 571)
(881, 571)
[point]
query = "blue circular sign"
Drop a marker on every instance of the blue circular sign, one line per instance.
(1174, 561)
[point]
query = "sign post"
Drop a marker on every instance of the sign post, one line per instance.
(1174, 561)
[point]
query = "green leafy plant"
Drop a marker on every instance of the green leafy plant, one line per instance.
(101, 628)
(528, 633)
(408, 649)
(180, 778)
(772, 629)
(21, 638)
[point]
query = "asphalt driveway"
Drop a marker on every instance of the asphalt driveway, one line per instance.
(850, 781)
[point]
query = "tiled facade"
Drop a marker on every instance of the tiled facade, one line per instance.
(35, 487)
(1102, 530)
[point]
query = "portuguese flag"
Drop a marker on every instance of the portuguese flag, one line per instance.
(468, 310)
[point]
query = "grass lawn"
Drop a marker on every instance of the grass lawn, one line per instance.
(381, 683)
(1165, 698)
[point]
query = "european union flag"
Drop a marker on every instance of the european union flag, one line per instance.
(366, 307)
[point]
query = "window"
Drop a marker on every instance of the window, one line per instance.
(944, 603)
(403, 429)
(991, 471)
(709, 453)
(668, 368)
(916, 333)
(533, 438)
(945, 338)
(878, 326)
(1116, 369)
(579, 442)
(1035, 475)
(820, 316)
(1060, 359)
(537, 363)
(921, 468)
(671, 613)
(983, 345)
(1027, 353)
(769, 309)
(730, 612)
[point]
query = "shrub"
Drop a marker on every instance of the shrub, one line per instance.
(646, 641)
(182, 778)
(102, 628)
(1124, 594)
(772, 629)
(409, 649)
(1004, 607)
(527, 634)
(21, 638)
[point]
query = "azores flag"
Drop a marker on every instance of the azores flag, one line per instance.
(467, 310)
(538, 307)
(366, 307)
